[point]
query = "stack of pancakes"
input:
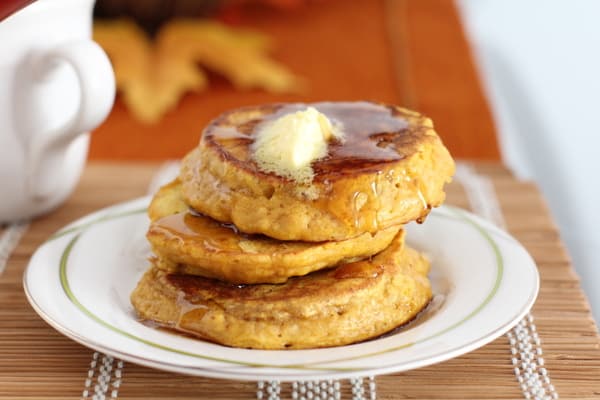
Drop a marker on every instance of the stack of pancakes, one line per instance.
(252, 259)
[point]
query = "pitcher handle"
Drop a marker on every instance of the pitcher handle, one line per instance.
(46, 148)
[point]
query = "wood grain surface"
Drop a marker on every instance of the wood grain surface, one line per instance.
(408, 52)
(36, 362)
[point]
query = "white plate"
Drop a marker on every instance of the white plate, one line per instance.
(79, 281)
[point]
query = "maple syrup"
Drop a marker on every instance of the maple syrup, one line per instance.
(358, 270)
(373, 134)
(375, 138)
(200, 230)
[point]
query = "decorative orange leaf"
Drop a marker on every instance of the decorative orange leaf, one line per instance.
(153, 76)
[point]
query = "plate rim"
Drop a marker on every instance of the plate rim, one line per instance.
(484, 227)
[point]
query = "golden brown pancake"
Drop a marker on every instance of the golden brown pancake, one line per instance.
(350, 303)
(390, 169)
(197, 245)
(167, 201)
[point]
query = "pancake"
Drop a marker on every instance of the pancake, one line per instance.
(390, 169)
(197, 245)
(167, 201)
(339, 306)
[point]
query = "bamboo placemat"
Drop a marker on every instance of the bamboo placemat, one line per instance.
(36, 362)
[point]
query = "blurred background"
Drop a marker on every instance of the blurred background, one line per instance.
(506, 80)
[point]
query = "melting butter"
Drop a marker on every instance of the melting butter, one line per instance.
(289, 145)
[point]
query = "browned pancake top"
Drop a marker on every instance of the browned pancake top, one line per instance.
(375, 135)
(322, 283)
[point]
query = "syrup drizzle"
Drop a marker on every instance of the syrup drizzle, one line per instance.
(374, 134)
(196, 228)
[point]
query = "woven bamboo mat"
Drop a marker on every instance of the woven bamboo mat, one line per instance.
(36, 362)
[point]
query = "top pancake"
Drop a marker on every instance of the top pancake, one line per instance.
(389, 170)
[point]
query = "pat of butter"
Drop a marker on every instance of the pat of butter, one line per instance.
(288, 145)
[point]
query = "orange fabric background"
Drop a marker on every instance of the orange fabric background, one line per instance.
(407, 52)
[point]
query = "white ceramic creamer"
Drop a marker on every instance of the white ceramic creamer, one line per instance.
(56, 84)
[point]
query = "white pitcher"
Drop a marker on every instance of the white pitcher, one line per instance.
(56, 84)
